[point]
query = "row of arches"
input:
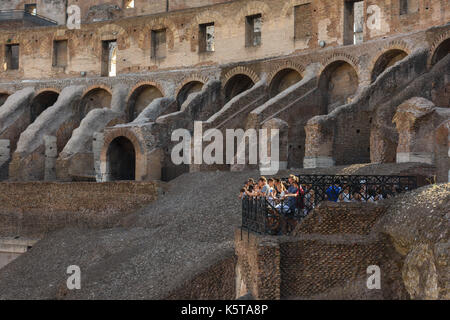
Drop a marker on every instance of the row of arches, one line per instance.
(338, 82)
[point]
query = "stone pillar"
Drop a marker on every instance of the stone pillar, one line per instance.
(97, 145)
(319, 144)
(51, 154)
(279, 160)
(258, 265)
(5, 155)
(414, 122)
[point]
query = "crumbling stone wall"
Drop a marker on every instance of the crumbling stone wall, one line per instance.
(133, 35)
(46, 207)
(331, 249)
(417, 120)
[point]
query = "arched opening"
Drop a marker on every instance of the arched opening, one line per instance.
(188, 89)
(3, 97)
(236, 85)
(141, 98)
(338, 82)
(96, 98)
(121, 159)
(386, 60)
(441, 51)
(41, 102)
(283, 80)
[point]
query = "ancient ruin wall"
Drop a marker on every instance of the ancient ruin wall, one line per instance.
(46, 207)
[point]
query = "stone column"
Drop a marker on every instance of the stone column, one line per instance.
(414, 122)
(5, 155)
(97, 145)
(319, 144)
(51, 154)
(279, 160)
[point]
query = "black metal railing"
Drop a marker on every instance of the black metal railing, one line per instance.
(276, 216)
(9, 15)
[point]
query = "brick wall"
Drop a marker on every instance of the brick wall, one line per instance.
(341, 218)
(46, 207)
(328, 257)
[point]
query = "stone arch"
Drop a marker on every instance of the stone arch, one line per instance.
(385, 60)
(241, 70)
(94, 97)
(42, 100)
(439, 50)
(139, 155)
(189, 88)
(338, 82)
(236, 85)
(283, 77)
(141, 96)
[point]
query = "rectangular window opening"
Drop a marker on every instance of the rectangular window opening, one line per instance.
(353, 22)
(129, 4)
(11, 57)
(206, 37)
(31, 8)
(109, 58)
(159, 47)
(302, 21)
(408, 6)
(253, 30)
(60, 53)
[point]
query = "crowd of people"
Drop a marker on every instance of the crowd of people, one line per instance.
(292, 196)
(286, 197)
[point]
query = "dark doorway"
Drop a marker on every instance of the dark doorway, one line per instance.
(121, 159)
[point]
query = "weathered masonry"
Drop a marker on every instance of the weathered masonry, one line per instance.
(344, 81)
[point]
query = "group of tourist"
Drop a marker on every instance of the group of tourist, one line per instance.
(286, 197)
(293, 197)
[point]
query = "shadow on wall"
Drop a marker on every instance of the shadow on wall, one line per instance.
(95, 98)
(141, 99)
(41, 102)
(236, 85)
(188, 89)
